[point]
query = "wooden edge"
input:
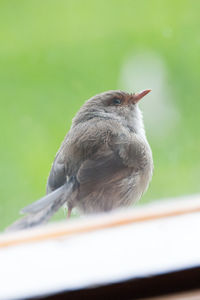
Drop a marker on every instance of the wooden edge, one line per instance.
(144, 288)
(192, 295)
(102, 221)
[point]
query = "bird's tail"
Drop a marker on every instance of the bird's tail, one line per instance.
(43, 209)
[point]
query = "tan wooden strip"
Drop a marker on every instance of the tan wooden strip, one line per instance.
(101, 221)
(192, 295)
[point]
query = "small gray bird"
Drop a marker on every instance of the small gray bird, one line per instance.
(104, 162)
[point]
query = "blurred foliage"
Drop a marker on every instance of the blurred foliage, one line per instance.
(55, 54)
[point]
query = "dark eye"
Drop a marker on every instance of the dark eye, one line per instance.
(116, 101)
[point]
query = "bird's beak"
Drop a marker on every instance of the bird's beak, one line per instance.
(138, 96)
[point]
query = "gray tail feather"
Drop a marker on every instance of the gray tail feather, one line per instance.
(43, 209)
(38, 205)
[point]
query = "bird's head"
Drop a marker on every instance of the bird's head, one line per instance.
(113, 105)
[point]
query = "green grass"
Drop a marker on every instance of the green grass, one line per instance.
(56, 54)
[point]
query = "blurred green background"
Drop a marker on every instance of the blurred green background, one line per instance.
(55, 54)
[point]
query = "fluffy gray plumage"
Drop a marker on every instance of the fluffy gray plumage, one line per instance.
(104, 162)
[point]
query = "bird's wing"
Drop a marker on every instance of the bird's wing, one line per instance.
(81, 142)
(57, 176)
(95, 152)
(100, 171)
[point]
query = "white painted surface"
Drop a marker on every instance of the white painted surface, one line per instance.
(110, 255)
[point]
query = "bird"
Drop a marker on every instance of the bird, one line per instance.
(105, 161)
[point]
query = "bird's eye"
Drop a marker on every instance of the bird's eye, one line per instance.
(116, 101)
